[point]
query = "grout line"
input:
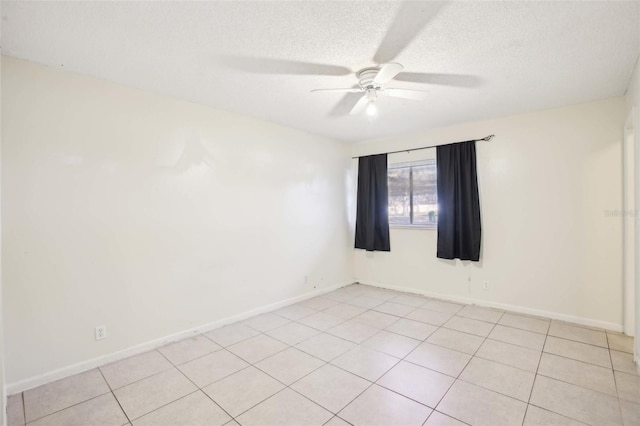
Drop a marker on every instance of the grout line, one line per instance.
(535, 375)
(114, 395)
(615, 380)
(198, 389)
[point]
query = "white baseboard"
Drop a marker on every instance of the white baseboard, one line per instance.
(588, 322)
(32, 382)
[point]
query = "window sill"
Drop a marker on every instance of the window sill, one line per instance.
(420, 227)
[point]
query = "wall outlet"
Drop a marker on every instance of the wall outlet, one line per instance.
(101, 332)
(485, 285)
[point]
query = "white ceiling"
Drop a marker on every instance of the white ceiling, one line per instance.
(513, 57)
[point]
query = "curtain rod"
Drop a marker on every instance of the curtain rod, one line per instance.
(486, 139)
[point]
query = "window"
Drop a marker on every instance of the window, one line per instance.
(413, 197)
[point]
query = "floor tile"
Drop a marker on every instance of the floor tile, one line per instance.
(336, 421)
(540, 417)
(209, 368)
(391, 343)
(325, 346)
(266, 322)
(379, 406)
(506, 353)
(630, 413)
(482, 314)
(129, 370)
(376, 319)
(343, 296)
(437, 358)
(575, 402)
(537, 325)
(295, 312)
(468, 325)
(509, 381)
(442, 306)
(289, 365)
(410, 328)
(353, 331)
(418, 383)
(518, 337)
(193, 409)
(293, 333)
(378, 293)
(579, 351)
(15, 410)
(365, 302)
(321, 321)
(344, 311)
(102, 410)
(578, 373)
(319, 303)
(146, 395)
(242, 390)
(393, 308)
(257, 348)
(478, 406)
(331, 387)
(620, 343)
(365, 363)
(188, 349)
(438, 419)
(456, 340)
(623, 361)
(410, 300)
(628, 386)
(277, 411)
(579, 334)
(429, 317)
(231, 334)
(63, 393)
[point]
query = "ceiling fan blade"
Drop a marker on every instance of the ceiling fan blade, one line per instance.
(411, 18)
(280, 66)
(359, 106)
(455, 80)
(416, 95)
(344, 105)
(351, 90)
(387, 72)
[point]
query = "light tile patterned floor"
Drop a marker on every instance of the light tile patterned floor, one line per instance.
(362, 356)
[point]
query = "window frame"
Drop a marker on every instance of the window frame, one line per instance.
(410, 165)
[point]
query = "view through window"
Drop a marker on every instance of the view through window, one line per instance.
(413, 198)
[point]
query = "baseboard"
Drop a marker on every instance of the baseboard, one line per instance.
(588, 322)
(32, 382)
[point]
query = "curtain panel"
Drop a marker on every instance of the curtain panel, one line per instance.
(372, 214)
(459, 228)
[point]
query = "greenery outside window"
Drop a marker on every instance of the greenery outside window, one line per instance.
(413, 196)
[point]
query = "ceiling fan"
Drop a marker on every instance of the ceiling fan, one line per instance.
(411, 18)
(372, 83)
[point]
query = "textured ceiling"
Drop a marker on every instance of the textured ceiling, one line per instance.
(256, 58)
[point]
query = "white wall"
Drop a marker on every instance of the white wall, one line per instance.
(546, 183)
(151, 215)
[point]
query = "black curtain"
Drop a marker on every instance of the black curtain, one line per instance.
(372, 216)
(458, 202)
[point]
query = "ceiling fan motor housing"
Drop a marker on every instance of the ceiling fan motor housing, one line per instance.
(366, 76)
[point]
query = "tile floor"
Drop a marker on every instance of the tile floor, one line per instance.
(363, 356)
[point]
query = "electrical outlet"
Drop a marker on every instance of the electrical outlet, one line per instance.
(101, 332)
(485, 285)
